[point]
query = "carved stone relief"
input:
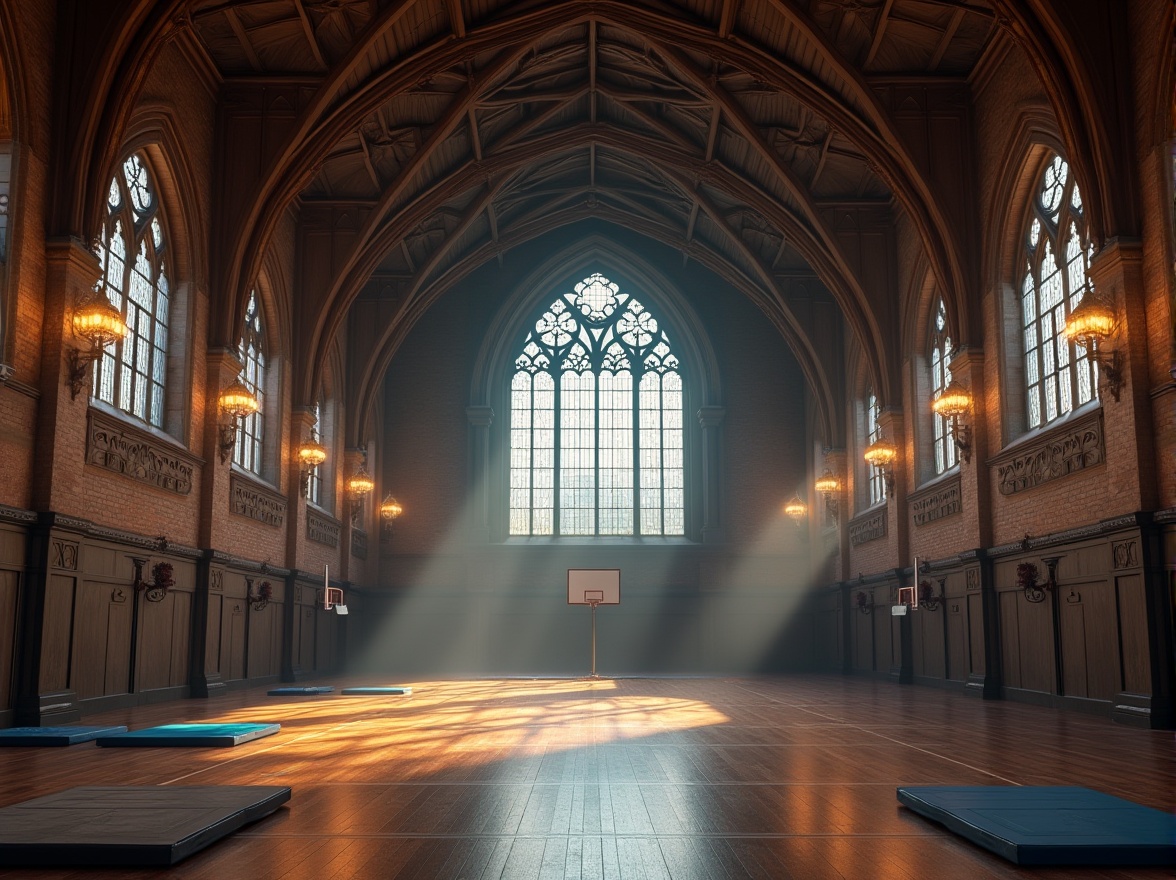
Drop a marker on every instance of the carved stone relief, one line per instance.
(322, 530)
(1056, 455)
(124, 450)
(1124, 554)
(868, 528)
(216, 581)
(972, 579)
(65, 554)
(943, 501)
(255, 503)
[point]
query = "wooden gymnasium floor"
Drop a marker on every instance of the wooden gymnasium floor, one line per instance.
(678, 778)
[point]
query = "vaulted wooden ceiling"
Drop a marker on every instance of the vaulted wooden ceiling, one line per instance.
(732, 130)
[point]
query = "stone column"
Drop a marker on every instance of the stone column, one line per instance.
(891, 425)
(711, 419)
(967, 367)
(480, 419)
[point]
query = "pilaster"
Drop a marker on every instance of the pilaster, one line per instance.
(480, 419)
(711, 419)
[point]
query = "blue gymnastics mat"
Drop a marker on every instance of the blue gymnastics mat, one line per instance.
(133, 826)
(300, 691)
(191, 735)
(376, 691)
(55, 736)
(1050, 825)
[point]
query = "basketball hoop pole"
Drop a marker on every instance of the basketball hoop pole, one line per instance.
(593, 603)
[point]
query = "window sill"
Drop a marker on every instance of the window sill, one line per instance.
(1059, 424)
(597, 541)
(137, 423)
(951, 473)
(253, 477)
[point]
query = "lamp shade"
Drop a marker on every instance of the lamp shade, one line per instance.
(312, 453)
(954, 400)
(98, 322)
(827, 483)
(881, 453)
(360, 483)
(390, 509)
(1090, 323)
(238, 400)
(796, 508)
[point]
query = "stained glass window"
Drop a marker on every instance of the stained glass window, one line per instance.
(132, 374)
(946, 453)
(596, 430)
(314, 485)
(1058, 374)
(877, 476)
(247, 452)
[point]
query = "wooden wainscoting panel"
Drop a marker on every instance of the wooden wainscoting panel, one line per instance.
(181, 638)
(163, 641)
(233, 644)
(306, 633)
(1135, 651)
(90, 655)
(56, 648)
(863, 640)
(977, 662)
(9, 585)
(212, 642)
(930, 659)
(118, 642)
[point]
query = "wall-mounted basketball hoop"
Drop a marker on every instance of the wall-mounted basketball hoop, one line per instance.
(594, 586)
(332, 596)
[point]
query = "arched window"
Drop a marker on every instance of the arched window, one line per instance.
(5, 181)
(250, 432)
(131, 374)
(946, 454)
(314, 486)
(1058, 374)
(877, 476)
(596, 420)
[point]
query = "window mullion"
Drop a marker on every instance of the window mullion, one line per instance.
(596, 453)
(557, 445)
(635, 403)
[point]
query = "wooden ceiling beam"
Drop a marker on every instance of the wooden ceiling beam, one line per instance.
(456, 18)
(948, 36)
(308, 32)
(879, 32)
(242, 38)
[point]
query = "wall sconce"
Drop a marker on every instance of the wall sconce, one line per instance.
(827, 484)
(162, 579)
(928, 598)
(953, 404)
(796, 509)
(390, 510)
(236, 402)
(261, 597)
(310, 455)
(1089, 325)
(98, 324)
(1027, 579)
(359, 486)
(881, 454)
(864, 602)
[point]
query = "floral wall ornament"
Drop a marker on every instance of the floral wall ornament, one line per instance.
(1027, 579)
(865, 604)
(260, 597)
(162, 579)
(928, 598)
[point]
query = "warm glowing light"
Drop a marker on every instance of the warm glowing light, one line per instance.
(1090, 323)
(312, 453)
(954, 400)
(238, 401)
(360, 483)
(881, 453)
(827, 483)
(98, 322)
(390, 508)
(796, 508)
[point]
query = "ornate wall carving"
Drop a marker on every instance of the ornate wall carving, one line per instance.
(1124, 554)
(972, 579)
(322, 530)
(933, 504)
(1059, 453)
(121, 448)
(870, 527)
(256, 503)
(216, 580)
(65, 555)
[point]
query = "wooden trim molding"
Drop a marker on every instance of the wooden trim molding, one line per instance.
(1057, 453)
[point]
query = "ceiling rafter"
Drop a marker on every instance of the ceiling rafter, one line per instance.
(242, 38)
(879, 33)
(308, 32)
(948, 35)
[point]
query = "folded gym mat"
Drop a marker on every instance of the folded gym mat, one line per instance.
(300, 691)
(375, 691)
(56, 736)
(1050, 825)
(139, 826)
(191, 735)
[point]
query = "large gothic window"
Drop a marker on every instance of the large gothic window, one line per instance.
(946, 453)
(877, 476)
(131, 374)
(1058, 374)
(596, 420)
(247, 452)
(314, 483)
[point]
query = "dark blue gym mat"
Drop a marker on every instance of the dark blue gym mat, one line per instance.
(191, 735)
(375, 691)
(300, 691)
(55, 736)
(1050, 825)
(141, 826)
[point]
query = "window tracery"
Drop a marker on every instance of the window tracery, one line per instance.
(596, 420)
(132, 373)
(877, 476)
(250, 432)
(946, 452)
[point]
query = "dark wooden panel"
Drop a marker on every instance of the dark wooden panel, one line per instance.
(956, 610)
(212, 644)
(929, 658)
(58, 628)
(975, 610)
(1132, 604)
(88, 663)
(9, 584)
(118, 645)
(1072, 616)
(181, 636)
(232, 657)
(306, 633)
(154, 646)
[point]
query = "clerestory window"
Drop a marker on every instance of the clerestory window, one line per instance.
(596, 424)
